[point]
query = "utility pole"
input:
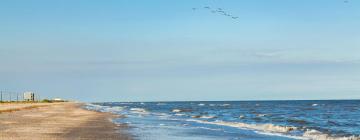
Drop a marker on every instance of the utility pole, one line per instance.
(1, 95)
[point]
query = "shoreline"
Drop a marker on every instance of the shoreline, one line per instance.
(60, 121)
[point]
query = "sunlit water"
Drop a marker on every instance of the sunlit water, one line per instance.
(339, 119)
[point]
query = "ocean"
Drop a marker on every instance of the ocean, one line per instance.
(233, 120)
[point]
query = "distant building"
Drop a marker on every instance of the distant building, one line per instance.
(58, 100)
(29, 96)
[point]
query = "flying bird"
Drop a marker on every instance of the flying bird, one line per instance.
(219, 11)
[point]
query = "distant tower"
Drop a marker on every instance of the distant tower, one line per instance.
(29, 96)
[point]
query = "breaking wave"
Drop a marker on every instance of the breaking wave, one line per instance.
(181, 110)
(114, 109)
(317, 135)
(139, 111)
(203, 117)
(271, 129)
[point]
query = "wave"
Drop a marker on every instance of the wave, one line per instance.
(281, 135)
(179, 114)
(93, 107)
(271, 129)
(100, 108)
(176, 110)
(139, 111)
(181, 110)
(262, 127)
(203, 117)
(262, 115)
(225, 105)
(208, 117)
(317, 135)
(214, 129)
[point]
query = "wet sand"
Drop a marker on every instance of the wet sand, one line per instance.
(59, 121)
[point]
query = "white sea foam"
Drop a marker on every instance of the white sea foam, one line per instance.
(139, 111)
(215, 129)
(161, 114)
(195, 116)
(281, 135)
(261, 115)
(114, 109)
(176, 110)
(271, 129)
(225, 105)
(207, 117)
(317, 135)
(201, 104)
(203, 116)
(260, 127)
(314, 105)
(94, 107)
(179, 114)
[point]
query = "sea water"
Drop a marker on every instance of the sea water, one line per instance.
(232, 120)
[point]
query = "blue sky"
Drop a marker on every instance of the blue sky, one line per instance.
(142, 50)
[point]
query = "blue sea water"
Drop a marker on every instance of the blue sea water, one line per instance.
(232, 120)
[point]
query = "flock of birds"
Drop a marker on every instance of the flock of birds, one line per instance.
(218, 11)
(224, 13)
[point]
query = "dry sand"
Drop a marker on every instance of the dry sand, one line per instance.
(60, 121)
(10, 107)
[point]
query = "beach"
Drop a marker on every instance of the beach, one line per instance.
(57, 121)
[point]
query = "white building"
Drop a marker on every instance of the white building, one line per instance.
(58, 100)
(29, 96)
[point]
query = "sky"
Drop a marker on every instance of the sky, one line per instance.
(162, 50)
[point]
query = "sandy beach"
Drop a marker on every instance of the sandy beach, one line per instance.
(57, 121)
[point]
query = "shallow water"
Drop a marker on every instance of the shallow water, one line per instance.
(231, 120)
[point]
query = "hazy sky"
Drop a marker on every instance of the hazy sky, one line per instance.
(146, 50)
